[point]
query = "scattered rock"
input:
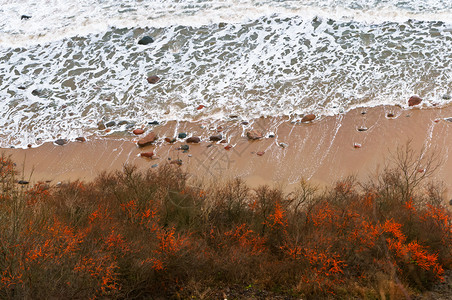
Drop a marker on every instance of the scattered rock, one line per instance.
(223, 142)
(308, 118)
(35, 93)
(110, 124)
(362, 128)
(101, 125)
(170, 140)
(421, 170)
(138, 131)
(364, 112)
(193, 139)
(356, 145)
(271, 136)
(448, 119)
(153, 79)
(147, 154)
(200, 107)
(414, 100)
(176, 162)
(260, 153)
(220, 128)
(210, 145)
(254, 135)
(61, 142)
(447, 97)
(233, 116)
(147, 140)
(154, 166)
(123, 123)
(153, 123)
(23, 182)
(25, 17)
(284, 145)
(80, 139)
(244, 123)
(107, 130)
(390, 115)
(145, 40)
(215, 138)
(450, 202)
(21, 88)
(190, 155)
(29, 145)
(227, 147)
(436, 120)
(182, 135)
(184, 147)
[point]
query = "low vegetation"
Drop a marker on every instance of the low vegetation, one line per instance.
(141, 235)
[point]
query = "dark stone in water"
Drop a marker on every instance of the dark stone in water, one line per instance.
(153, 79)
(110, 124)
(448, 119)
(390, 115)
(23, 182)
(35, 93)
(271, 135)
(21, 88)
(61, 142)
(182, 135)
(101, 125)
(447, 97)
(154, 123)
(145, 40)
(25, 17)
(308, 118)
(80, 139)
(184, 147)
(414, 100)
(185, 151)
(122, 123)
(244, 123)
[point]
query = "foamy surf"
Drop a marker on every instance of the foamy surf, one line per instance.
(74, 64)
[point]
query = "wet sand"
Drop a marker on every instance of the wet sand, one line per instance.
(322, 151)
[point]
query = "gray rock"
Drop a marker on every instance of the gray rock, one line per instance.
(61, 142)
(283, 145)
(23, 182)
(362, 128)
(153, 123)
(447, 97)
(110, 124)
(122, 123)
(145, 40)
(182, 135)
(185, 147)
(154, 166)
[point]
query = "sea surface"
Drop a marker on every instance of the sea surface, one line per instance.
(74, 63)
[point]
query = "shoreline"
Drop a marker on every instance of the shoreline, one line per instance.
(321, 152)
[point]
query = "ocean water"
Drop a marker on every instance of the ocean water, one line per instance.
(74, 63)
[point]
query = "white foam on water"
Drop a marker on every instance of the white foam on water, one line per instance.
(327, 59)
(57, 19)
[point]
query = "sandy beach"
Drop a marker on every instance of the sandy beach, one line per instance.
(328, 149)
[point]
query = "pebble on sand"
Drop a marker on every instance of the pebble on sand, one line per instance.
(260, 153)
(200, 107)
(61, 142)
(80, 139)
(148, 139)
(254, 134)
(147, 154)
(356, 145)
(308, 118)
(193, 139)
(138, 131)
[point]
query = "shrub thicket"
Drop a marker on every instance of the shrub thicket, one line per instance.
(151, 234)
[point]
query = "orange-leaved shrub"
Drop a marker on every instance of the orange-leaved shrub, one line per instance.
(149, 234)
